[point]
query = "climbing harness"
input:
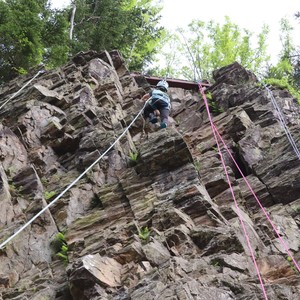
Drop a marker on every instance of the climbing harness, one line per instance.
(233, 195)
(282, 121)
(73, 183)
(16, 93)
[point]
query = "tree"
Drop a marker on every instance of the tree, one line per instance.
(130, 26)
(54, 36)
(286, 72)
(296, 61)
(30, 33)
(205, 47)
(165, 64)
(284, 66)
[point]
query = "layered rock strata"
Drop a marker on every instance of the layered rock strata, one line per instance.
(158, 225)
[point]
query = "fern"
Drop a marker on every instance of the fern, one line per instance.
(60, 247)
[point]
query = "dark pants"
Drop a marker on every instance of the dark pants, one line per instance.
(159, 105)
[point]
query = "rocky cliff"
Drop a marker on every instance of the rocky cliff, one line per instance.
(154, 219)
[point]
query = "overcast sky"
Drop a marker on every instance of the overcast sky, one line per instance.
(249, 15)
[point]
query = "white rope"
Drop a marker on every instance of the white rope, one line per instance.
(282, 121)
(72, 184)
(16, 93)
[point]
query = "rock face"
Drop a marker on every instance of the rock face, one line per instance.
(162, 225)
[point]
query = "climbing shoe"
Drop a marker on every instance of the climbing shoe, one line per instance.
(163, 125)
(152, 118)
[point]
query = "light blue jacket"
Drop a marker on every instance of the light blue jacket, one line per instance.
(160, 95)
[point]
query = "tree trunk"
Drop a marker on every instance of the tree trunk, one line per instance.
(72, 21)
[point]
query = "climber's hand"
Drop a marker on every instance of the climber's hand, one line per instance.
(156, 112)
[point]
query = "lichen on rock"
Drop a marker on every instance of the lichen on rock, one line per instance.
(176, 189)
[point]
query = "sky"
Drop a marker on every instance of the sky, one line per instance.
(250, 15)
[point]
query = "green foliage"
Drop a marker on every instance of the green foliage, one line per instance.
(213, 105)
(144, 233)
(60, 247)
(208, 96)
(49, 195)
(284, 84)
(14, 191)
(29, 34)
(55, 38)
(216, 262)
(133, 156)
(63, 254)
(20, 70)
(285, 74)
(291, 263)
(44, 180)
(130, 26)
(284, 67)
(170, 57)
(205, 47)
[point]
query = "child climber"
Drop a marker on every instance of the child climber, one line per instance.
(159, 104)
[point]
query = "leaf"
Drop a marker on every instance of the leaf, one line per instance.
(205, 47)
(144, 233)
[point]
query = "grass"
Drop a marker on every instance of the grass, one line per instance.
(60, 247)
(49, 195)
(133, 156)
(144, 233)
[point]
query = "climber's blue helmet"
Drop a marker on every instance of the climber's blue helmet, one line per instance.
(163, 84)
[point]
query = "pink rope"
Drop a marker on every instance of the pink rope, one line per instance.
(257, 200)
(232, 192)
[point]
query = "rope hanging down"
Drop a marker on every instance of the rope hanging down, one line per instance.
(17, 92)
(73, 183)
(282, 121)
(258, 201)
(233, 195)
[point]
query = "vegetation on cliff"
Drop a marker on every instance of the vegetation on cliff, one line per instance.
(33, 33)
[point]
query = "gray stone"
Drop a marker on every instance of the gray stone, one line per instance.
(176, 188)
(156, 253)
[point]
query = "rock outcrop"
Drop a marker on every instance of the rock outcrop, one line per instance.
(158, 225)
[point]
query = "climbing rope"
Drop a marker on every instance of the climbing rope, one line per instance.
(73, 183)
(233, 195)
(291, 140)
(16, 93)
(257, 200)
(282, 121)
